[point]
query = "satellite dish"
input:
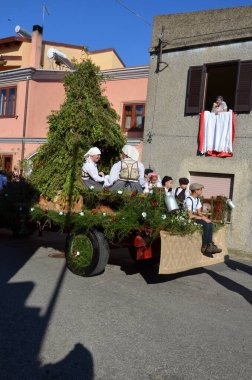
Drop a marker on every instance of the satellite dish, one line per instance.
(22, 32)
(52, 51)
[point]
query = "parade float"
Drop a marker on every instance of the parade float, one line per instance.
(53, 197)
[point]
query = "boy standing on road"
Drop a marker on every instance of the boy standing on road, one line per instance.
(194, 210)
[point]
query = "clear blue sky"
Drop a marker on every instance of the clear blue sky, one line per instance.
(100, 24)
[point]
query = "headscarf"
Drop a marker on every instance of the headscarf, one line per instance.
(92, 152)
(131, 152)
(150, 175)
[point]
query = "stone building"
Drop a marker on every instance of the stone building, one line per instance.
(195, 57)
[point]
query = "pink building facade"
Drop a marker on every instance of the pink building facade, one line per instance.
(126, 90)
(28, 95)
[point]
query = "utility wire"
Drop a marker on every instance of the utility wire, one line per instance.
(133, 12)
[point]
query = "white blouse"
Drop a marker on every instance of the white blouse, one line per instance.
(91, 169)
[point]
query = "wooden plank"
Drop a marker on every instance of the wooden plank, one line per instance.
(181, 253)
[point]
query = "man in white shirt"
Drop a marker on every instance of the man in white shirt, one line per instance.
(194, 210)
(90, 175)
(127, 174)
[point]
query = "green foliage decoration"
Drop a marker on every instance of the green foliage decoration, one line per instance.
(132, 213)
(79, 253)
(85, 119)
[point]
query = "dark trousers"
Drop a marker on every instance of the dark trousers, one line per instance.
(207, 231)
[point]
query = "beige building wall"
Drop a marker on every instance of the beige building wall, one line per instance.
(21, 49)
(173, 150)
(107, 59)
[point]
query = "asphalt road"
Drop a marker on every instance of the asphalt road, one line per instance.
(129, 323)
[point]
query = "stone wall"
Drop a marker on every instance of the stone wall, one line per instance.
(173, 150)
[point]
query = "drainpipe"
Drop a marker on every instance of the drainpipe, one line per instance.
(24, 123)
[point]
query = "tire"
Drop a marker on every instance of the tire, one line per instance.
(87, 254)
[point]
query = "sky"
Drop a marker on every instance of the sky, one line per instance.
(125, 25)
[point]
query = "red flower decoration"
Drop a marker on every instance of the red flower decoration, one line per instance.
(154, 203)
(134, 193)
(113, 220)
(94, 211)
(106, 190)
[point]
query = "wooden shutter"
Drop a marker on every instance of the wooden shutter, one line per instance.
(195, 90)
(244, 87)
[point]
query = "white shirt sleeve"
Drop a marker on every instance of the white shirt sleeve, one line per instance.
(114, 173)
(91, 169)
(189, 204)
(141, 178)
(199, 205)
(223, 105)
(193, 204)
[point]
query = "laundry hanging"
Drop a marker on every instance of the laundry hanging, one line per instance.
(216, 133)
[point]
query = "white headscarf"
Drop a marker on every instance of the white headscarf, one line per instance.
(131, 152)
(92, 152)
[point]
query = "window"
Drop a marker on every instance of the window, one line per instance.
(7, 101)
(6, 161)
(214, 183)
(232, 80)
(133, 117)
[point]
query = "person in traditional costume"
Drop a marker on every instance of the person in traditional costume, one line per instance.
(127, 174)
(153, 182)
(194, 207)
(181, 192)
(167, 183)
(90, 176)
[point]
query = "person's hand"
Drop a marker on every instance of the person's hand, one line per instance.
(206, 219)
(101, 174)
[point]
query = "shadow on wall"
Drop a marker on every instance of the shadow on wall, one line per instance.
(23, 329)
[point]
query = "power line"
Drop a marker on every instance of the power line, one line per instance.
(133, 12)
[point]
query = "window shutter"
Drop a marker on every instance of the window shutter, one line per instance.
(214, 184)
(195, 88)
(244, 87)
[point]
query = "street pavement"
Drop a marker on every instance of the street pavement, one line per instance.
(128, 323)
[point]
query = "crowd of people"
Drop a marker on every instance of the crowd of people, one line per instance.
(129, 175)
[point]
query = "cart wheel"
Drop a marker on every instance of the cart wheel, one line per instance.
(87, 254)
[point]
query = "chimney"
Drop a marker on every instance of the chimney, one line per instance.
(36, 46)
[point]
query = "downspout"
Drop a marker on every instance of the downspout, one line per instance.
(24, 123)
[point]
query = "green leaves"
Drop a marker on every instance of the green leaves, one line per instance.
(85, 119)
